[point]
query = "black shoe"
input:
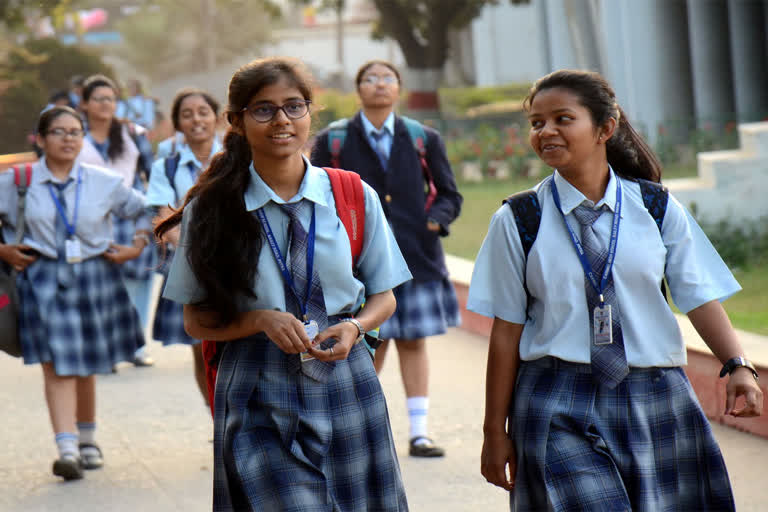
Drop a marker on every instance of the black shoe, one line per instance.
(92, 458)
(424, 449)
(143, 361)
(68, 467)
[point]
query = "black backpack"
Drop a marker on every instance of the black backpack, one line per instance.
(527, 211)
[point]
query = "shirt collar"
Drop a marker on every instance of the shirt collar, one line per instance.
(41, 173)
(388, 126)
(312, 187)
(571, 197)
(186, 155)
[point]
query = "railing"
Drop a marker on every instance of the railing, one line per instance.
(12, 159)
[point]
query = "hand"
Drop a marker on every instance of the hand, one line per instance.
(433, 226)
(285, 331)
(345, 333)
(743, 383)
(498, 453)
(15, 256)
(119, 254)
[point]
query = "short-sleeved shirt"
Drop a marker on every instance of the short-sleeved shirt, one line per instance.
(381, 265)
(162, 193)
(559, 318)
(102, 192)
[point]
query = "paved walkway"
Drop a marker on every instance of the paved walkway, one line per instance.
(155, 431)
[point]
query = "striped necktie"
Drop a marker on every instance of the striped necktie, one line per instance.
(64, 272)
(380, 147)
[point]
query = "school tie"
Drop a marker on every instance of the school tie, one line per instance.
(609, 362)
(380, 147)
(64, 272)
(297, 263)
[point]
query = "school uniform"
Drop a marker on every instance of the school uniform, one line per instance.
(645, 444)
(387, 160)
(287, 438)
(170, 146)
(169, 315)
(75, 315)
(137, 152)
(138, 109)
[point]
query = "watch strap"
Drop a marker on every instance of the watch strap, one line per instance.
(360, 328)
(738, 362)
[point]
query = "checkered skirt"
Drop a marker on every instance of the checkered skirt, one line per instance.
(143, 267)
(83, 329)
(645, 445)
(283, 441)
(169, 315)
(423, 309)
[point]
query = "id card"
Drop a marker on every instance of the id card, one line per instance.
(312, 330)
(72, 251)
(603, 325)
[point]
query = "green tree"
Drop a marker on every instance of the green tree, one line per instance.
(421, 29)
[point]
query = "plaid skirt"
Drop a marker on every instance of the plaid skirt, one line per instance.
(286, 442)
(423, 309)
(169, 315)
(143, 267)
(644, 446)
(83, 329)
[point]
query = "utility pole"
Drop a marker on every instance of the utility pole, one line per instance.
(208, 14)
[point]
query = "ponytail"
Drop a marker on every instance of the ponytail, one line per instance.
(628, 153)
(115, 137)
(224, 238)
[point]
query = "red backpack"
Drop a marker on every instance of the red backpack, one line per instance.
(350, 207)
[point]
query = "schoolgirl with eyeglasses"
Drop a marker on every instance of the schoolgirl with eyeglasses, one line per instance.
(76, 319)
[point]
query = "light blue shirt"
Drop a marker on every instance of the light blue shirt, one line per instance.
(160, 192)
(559, 323)
(170, 145)
(388, 129)
(381, 265)
(139, 109)
(102, 192)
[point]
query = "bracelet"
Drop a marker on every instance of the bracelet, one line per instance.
(360, 328)
(738, 362)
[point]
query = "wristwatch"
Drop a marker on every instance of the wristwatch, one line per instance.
(360, 328)
(738, 362)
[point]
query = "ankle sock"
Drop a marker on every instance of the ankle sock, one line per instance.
(66, 442)
(87, 432)
(418, 408)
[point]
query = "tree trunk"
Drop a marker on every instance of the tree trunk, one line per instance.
(422, 84)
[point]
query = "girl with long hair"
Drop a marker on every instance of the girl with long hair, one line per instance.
(264, 266)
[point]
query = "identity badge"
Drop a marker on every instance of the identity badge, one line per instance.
(312, 330)
(72, 250)
(603, 325)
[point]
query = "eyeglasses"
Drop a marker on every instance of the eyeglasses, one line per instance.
(102, 99)
(375, 79)
(265, 112)
(61, 133)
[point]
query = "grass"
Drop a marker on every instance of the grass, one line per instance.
(747, 309)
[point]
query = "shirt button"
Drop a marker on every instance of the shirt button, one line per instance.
(388, 198)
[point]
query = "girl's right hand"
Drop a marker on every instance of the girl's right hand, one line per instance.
(285, 331)
(498, 453)
(19, 257)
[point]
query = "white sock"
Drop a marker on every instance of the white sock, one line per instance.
(66, 442)
(418, 408)
(87, 432)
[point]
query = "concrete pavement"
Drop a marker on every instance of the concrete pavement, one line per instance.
(155, 433)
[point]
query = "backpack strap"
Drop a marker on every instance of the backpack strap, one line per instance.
(527, 211)
(655, 198)
(171, 166)
(350, 206)
(419, 139)
(337, 134)
(22, 184)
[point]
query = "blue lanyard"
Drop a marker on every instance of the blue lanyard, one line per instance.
(281, 261)
(60, 208)
(588, 271)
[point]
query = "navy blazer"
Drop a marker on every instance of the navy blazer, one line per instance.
(401, 190)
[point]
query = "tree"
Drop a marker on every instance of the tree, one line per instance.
(421, 29)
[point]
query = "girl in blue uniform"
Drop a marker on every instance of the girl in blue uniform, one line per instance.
(121, 147)
(75, 318)
(194, 113)
(263, 263)
(587, 405)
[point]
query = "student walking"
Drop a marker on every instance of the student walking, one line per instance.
(75, 317)
(264, 265)
(383, 148)
(587, 404)
(123, 148)
(194, 113)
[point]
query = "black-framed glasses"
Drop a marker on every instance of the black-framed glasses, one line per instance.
(375, 79)
(265, 112)
(75, 133)
(103, 99)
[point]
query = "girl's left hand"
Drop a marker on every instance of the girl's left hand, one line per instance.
(742, 382)
(119, 254)
(345, 332)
